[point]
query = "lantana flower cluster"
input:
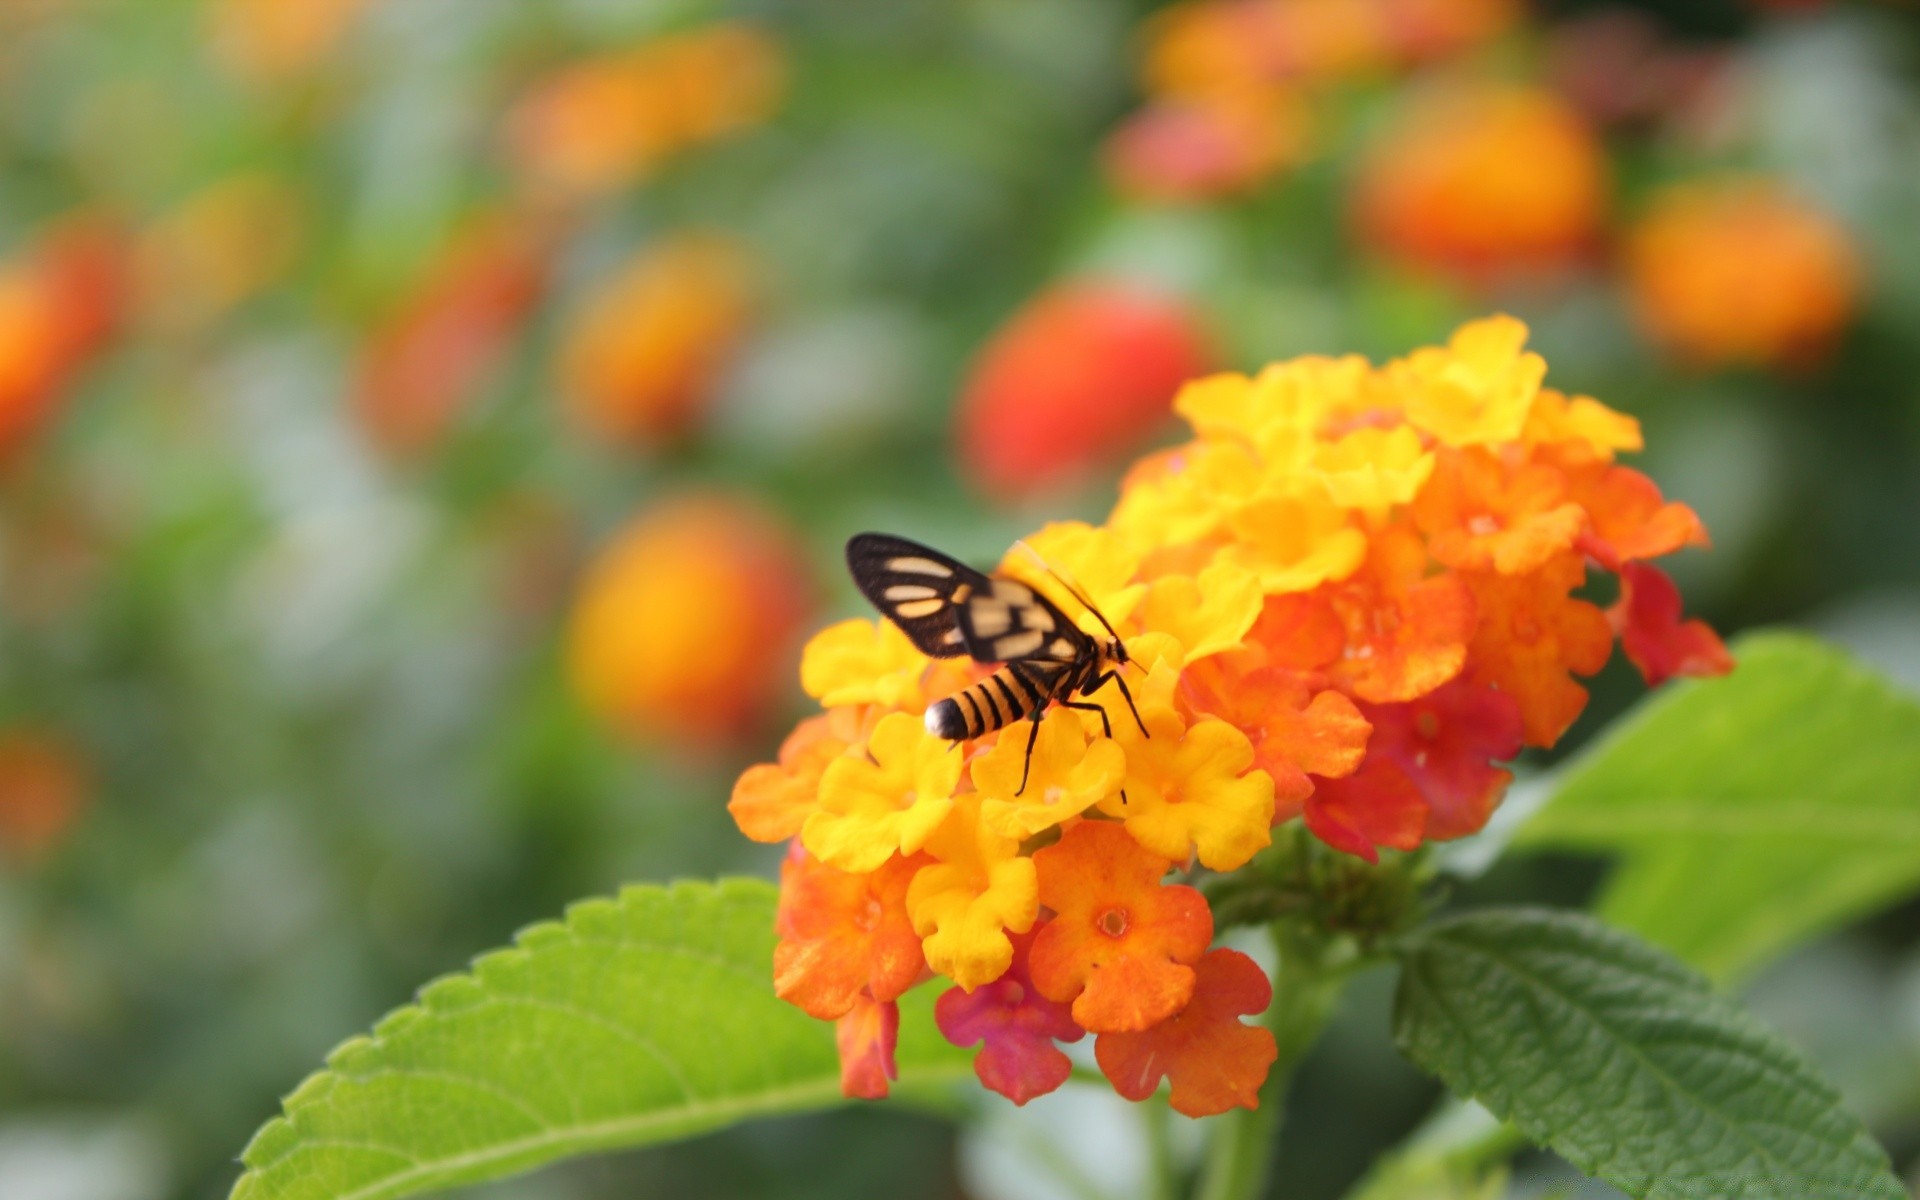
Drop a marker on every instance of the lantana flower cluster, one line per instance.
(1350, 598)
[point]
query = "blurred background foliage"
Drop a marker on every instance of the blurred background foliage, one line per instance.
(429, 425)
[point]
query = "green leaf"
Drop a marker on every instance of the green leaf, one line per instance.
(1754, 811)
(637, 1020)
(1626, 1063)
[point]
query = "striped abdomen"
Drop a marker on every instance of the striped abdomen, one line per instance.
(1013, 693)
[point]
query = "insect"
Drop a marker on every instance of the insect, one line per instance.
(947, 609)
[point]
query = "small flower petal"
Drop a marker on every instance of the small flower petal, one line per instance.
(1016, 1027)
(1659, 643)
(1069, 775)
(978, 889)
(1120, 944)
(890, 799)
(866, 1038)
(1189, 791)
(1215, 1061)
(843, 934)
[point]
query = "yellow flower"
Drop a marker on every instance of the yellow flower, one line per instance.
(1559, 418)
(1205, 614)
(892, 800)
(1478, 389)
(1070, 775)
(979, 887)
(1098, 561)
(1295, 543)
(863, 662)
(1372, 469)
(1186, 792)
(1188, 494)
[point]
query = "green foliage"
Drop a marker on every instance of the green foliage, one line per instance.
(1754, 811)
(642, 1019)
(1626, 1063)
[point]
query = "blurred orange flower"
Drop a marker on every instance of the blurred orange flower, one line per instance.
(1074, 380)
(1741, 271)
(603, 123)
(279, 39)
(643, 356)
(43, 787)
(1482, 180)
(59, 302)
(221, 246)
(680, 619)
(425, 362)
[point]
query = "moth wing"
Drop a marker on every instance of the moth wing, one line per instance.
(1011, 622)
(918, 588)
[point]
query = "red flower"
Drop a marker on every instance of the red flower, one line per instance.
(1215, 1062)
(1647, 618)
(1017, 1027)
(1074, 380)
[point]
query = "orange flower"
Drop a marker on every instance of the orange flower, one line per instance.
(843, 934)
(1534, 637)
(1296, 727)
(1120, 946)
(1741, 272)
(426, 362)
(1627, 517)
(771, 801)
(1082, 374)
(646, 353)
(679, 619)
(1406, 631)
(866, 1038)
(1659, 643)
(1480, 513)
(43, 788)
(603, 123)
(1215, 1061)
(1484, 180)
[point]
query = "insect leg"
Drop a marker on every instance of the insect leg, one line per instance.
(1105, 724)
(1088, 706)
(1026, 768)
(1094, 685)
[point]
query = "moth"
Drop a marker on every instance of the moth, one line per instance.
(947, 609)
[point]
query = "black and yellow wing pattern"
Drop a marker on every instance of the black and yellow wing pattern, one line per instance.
(918, 588)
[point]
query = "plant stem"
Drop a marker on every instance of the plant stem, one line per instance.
(1163, 1182)
(1311, 974)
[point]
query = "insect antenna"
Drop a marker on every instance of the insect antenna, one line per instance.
(1073, 589)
